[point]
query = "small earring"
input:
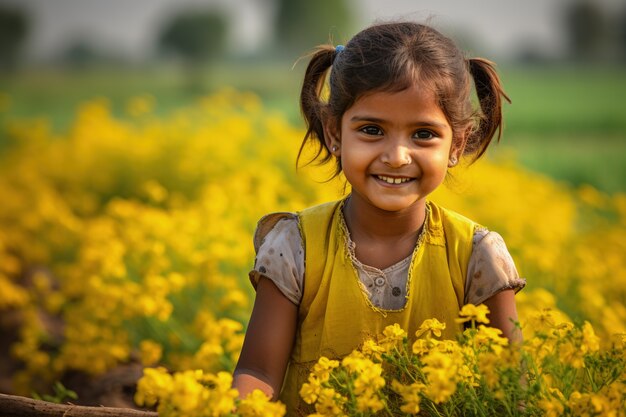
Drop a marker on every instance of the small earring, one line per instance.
(334, 148)
(453, 161)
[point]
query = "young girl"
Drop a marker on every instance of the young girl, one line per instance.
(398, 116)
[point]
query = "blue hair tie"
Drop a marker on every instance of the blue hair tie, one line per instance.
(339, 48)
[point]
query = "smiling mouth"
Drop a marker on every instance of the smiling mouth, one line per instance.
(394, 180)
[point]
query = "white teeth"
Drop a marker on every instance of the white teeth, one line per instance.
(390, 180)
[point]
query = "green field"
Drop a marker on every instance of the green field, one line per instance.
(569, 123)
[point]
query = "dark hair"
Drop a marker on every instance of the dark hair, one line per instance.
(392, 57)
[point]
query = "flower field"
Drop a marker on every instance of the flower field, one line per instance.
(129, 239)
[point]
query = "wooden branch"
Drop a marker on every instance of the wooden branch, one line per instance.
(14, 406)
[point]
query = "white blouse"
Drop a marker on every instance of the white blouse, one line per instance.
(280, 258)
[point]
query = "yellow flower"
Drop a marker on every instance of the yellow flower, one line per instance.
(329, 403)
(228, 327)
(257, 404)
(186, 392)
(355, 362)
(208, 354)
(437, 360)
(222, 396)
(440, 386)
(155, 385)
(547, 320)
(310, 390)
(393, 335)
(369, 402)
(321, 370)
(369, 378)
(561, 330)
(234, 298)
(150, 352)
(441, 376)
(12, 295)
(372, 349)
(539, 348)
(410, 396)
(599, 403)
(155, 191)
(491, 337)
(428, 326)
(590, 404)
(615, 396)
(448, 346)
(572, 355)
(488, 366)
(590, 342)
(421, 346)
(470, 312)
(556, 393)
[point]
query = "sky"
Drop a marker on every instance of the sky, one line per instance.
(129, 27)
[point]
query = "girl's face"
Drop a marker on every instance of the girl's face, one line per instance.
(395, 148)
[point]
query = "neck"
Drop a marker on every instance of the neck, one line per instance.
(367, 221)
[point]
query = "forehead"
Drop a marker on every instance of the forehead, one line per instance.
(413, 102)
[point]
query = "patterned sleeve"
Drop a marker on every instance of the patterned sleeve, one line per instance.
(491, 268)
(279, 254)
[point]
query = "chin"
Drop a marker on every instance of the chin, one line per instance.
(396, 206)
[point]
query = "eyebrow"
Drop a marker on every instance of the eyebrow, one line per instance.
(430, 123)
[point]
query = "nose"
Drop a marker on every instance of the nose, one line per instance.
(396, 154)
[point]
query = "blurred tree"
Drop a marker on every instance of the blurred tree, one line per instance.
(14, 25)
(302, 24)
(586, 27)
(196, 37)
(79, 55)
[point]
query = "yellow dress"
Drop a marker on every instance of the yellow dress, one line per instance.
(335, 316)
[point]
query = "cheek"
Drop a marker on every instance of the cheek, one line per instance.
(357, 156)
(436, 165)
(350, 166)
(437, 160)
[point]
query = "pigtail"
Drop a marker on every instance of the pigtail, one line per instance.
(490, 93)
(312, 108)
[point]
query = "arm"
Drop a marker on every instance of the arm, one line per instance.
(268, 342)
(493, 280)
(503, 314)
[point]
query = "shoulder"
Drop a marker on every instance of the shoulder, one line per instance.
(308, 216)
(491, 268)
(490, 248)
(279, 254)
(267, 224)
(447, 227)
(321, 213)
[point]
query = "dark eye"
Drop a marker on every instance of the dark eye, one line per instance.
(424, 134)
(372, 130)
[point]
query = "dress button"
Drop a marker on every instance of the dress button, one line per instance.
(379, 281)
(396, 291)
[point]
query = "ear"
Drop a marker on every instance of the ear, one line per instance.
(458, 146)
(332, 136)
